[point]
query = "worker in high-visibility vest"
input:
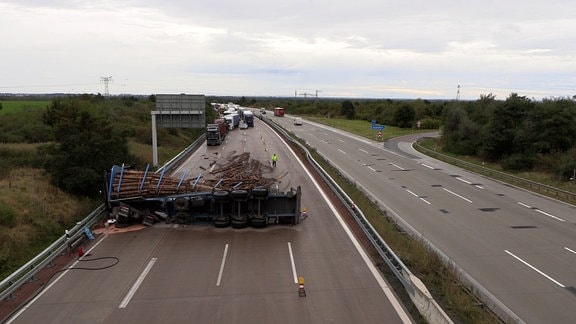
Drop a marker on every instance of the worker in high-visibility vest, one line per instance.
(274, 159)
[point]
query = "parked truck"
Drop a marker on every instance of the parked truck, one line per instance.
(236, 119)
(215, 133)
(249, 118)
(229, 121)
(222, 121)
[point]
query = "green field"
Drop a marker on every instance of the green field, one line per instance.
(364, 128)
(11, 106)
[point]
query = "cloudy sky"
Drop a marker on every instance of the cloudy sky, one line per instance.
(354, 49)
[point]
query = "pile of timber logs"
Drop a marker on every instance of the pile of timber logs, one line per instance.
(240, 172)
(153, 185)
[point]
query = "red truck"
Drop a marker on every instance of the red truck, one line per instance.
(279, 112)
(215, 133)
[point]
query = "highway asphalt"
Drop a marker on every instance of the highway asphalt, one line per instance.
(519, 246)
(201, 274)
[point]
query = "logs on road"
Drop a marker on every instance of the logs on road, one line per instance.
(130, 184)
(240, 172)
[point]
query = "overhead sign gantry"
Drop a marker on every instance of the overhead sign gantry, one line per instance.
(176, 111)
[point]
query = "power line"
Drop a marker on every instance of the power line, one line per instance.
(458, 93)
(106, 80)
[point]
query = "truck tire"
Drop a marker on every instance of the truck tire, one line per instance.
(221, 196)
(239, 194)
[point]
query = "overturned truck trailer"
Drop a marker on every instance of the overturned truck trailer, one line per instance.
(143, 197)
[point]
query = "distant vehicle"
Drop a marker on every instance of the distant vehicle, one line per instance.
(215, 133)
(230, 121)
(279, 112)
(236, 119)
(298, 122)
(249, 118)
(263, 111)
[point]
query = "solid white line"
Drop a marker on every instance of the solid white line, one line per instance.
(570, 250)
(549, 215)
(137, 284)
(535, 269)
(222, 265)
(292, 263)
(341, 151)
(23, 309)
(375, 272)
(457, 195)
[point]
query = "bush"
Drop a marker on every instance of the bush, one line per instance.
(517, 162)
(8, 216)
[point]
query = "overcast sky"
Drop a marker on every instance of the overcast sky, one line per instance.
(355, 49)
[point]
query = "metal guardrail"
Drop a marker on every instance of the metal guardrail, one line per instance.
(45, 258)
(417, 291)
(27, 272)
(498, 175)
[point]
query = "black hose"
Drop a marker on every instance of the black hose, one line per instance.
(44, 285)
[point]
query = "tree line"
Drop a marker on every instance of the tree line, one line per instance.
(519, 133)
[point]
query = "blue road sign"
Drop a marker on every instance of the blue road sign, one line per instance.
(378, 127)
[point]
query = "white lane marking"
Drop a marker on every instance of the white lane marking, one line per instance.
(541, 212)
(367, 260)
(137, 284)
(569, 249)
(523, 204)
(362, 150)
(23, 309)
(428, 166)
(399, 167)
(341, 140)
(535, 269)
(469, 182)
(341, 151)
(371, 168)
(457, 195)
(292, 263)
(549, 215)
(222, 265)
(465, 181)
(415, 195)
